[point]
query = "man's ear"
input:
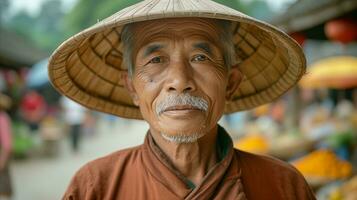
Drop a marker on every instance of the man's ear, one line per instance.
(235, 77)
(128, 84)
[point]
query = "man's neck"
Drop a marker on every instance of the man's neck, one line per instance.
(193, 160)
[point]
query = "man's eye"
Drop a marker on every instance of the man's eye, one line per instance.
(199, 58)
(157, 59)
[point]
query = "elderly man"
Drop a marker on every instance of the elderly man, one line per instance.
(180, 65)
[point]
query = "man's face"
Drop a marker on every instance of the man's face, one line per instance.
(180, 81)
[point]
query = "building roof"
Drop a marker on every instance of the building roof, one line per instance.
(16, 51)
(305, 14)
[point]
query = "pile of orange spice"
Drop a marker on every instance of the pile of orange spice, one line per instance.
(253, 143)
(325, 164)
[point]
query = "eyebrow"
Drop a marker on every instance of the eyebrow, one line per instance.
(204, 46)
(152, 48)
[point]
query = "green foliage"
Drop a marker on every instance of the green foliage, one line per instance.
(43, 29)
(235, 4)
(341, 139)
(4, 5)
(88, 12)
(260, 10)
(22, 23)
(22, 141)
(52, 26)
(80, 16)
(110, 7)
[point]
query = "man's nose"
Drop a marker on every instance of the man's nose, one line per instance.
(180, 77)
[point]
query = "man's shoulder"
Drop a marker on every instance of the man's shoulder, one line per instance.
(265, 163)
(279, 178)
(99, 175)
(112, 162)
(115, 157)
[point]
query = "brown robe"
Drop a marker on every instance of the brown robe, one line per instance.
(144, 172)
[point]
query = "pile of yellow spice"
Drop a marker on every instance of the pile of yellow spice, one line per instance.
(323, 164)
(253, 143)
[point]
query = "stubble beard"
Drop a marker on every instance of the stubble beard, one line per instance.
(182, 138)
(183, 99)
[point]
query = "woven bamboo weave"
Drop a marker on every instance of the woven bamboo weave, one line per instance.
(87, 67)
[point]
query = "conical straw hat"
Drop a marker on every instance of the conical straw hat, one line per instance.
(87, 67)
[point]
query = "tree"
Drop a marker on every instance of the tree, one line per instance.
(260, 10)
(235, 4)
(44, 29)
(22, 23)
(49, 18)
(51, 26)
(48, 32)
(4, 5)
(88, 12)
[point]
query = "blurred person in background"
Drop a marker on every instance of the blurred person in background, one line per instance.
(2, 82)
(74, 116)
(89, 123)
(33, 109)
(5, 148)
(179, 65)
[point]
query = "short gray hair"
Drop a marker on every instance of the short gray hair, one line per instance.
(226, 39)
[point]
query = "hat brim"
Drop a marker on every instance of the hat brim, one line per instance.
(87, 67)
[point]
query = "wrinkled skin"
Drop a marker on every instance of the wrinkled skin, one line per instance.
(177, 64)
(175, 56)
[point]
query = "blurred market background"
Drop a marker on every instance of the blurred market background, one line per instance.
(314, 126)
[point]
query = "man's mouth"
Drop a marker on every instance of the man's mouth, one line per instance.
(180, 105)
(181, 111)
(181, 108)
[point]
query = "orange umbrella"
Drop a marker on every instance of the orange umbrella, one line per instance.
(333, 72)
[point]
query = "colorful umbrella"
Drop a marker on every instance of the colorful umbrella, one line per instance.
(38, 74)
(333, 72)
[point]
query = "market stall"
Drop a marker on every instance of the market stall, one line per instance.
(321, 138)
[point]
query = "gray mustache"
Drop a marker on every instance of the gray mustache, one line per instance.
(180, 100)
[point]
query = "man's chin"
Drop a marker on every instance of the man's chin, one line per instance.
(181, 127)
(182, 138)
(189, 130)
(182, 134)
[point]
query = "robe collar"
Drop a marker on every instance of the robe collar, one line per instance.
(225, 171)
